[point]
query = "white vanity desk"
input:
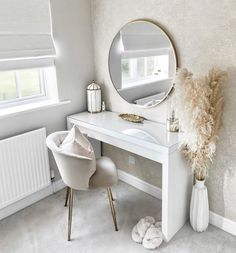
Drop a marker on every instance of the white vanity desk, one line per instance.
(152, 142)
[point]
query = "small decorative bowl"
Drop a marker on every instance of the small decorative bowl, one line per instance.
(132, 117)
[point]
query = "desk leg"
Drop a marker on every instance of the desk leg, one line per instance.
(176, 190)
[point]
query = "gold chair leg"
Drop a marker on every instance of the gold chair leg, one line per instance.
(67, 195)
(113, 212)
(70, 213)
(111, 194)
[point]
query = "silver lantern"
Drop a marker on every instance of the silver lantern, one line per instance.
(94, 97)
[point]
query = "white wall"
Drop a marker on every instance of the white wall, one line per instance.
(74, 63)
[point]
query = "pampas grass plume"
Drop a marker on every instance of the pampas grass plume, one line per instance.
(199, 107)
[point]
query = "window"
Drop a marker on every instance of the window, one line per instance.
(144, 69)
(24, 86)
(27, 53)
(20, 85)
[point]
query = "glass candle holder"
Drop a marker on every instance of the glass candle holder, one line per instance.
(172, 122)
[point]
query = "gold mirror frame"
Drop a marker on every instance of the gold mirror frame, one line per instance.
(167, 35)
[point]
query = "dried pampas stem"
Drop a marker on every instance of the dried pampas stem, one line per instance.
(199, 107)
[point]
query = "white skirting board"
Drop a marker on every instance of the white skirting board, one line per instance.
(215, 219)
(223, 223)
(140, 184)
(58, 185)
(31, 199)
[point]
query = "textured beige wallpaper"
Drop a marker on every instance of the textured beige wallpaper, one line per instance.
(144, 169)
(204, 35)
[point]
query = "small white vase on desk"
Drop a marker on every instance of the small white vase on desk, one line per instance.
(199, 207)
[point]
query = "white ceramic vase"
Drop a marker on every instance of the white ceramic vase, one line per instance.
(199, 207)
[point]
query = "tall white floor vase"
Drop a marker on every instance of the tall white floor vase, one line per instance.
(199, 207)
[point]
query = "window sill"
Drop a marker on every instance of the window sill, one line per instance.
(21, 109)
(142, 82)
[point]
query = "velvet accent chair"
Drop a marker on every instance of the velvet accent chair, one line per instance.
(78, 174)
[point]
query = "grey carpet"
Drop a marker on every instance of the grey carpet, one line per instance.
(42, 227)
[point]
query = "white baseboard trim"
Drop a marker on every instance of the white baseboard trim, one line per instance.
(58, 185)
(140, 184)
(215, 219)
(223, 223)
(31, 199)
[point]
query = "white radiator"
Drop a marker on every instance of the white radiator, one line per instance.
(24, 166)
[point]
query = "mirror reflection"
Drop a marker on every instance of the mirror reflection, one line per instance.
(142, 63)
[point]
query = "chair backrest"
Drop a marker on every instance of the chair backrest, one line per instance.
(75, 170)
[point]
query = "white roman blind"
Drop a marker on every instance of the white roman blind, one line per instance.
(25, 33)
(143, 39)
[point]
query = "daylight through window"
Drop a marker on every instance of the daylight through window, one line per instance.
(22, 85)
(140, 69)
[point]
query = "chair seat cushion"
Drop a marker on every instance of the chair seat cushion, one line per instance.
(105, 175)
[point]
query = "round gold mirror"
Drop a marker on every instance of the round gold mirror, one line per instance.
(142, 63)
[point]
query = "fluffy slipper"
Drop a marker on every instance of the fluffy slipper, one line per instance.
(158, 224)
(153, 237)
(141, 227)
(136, 236)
